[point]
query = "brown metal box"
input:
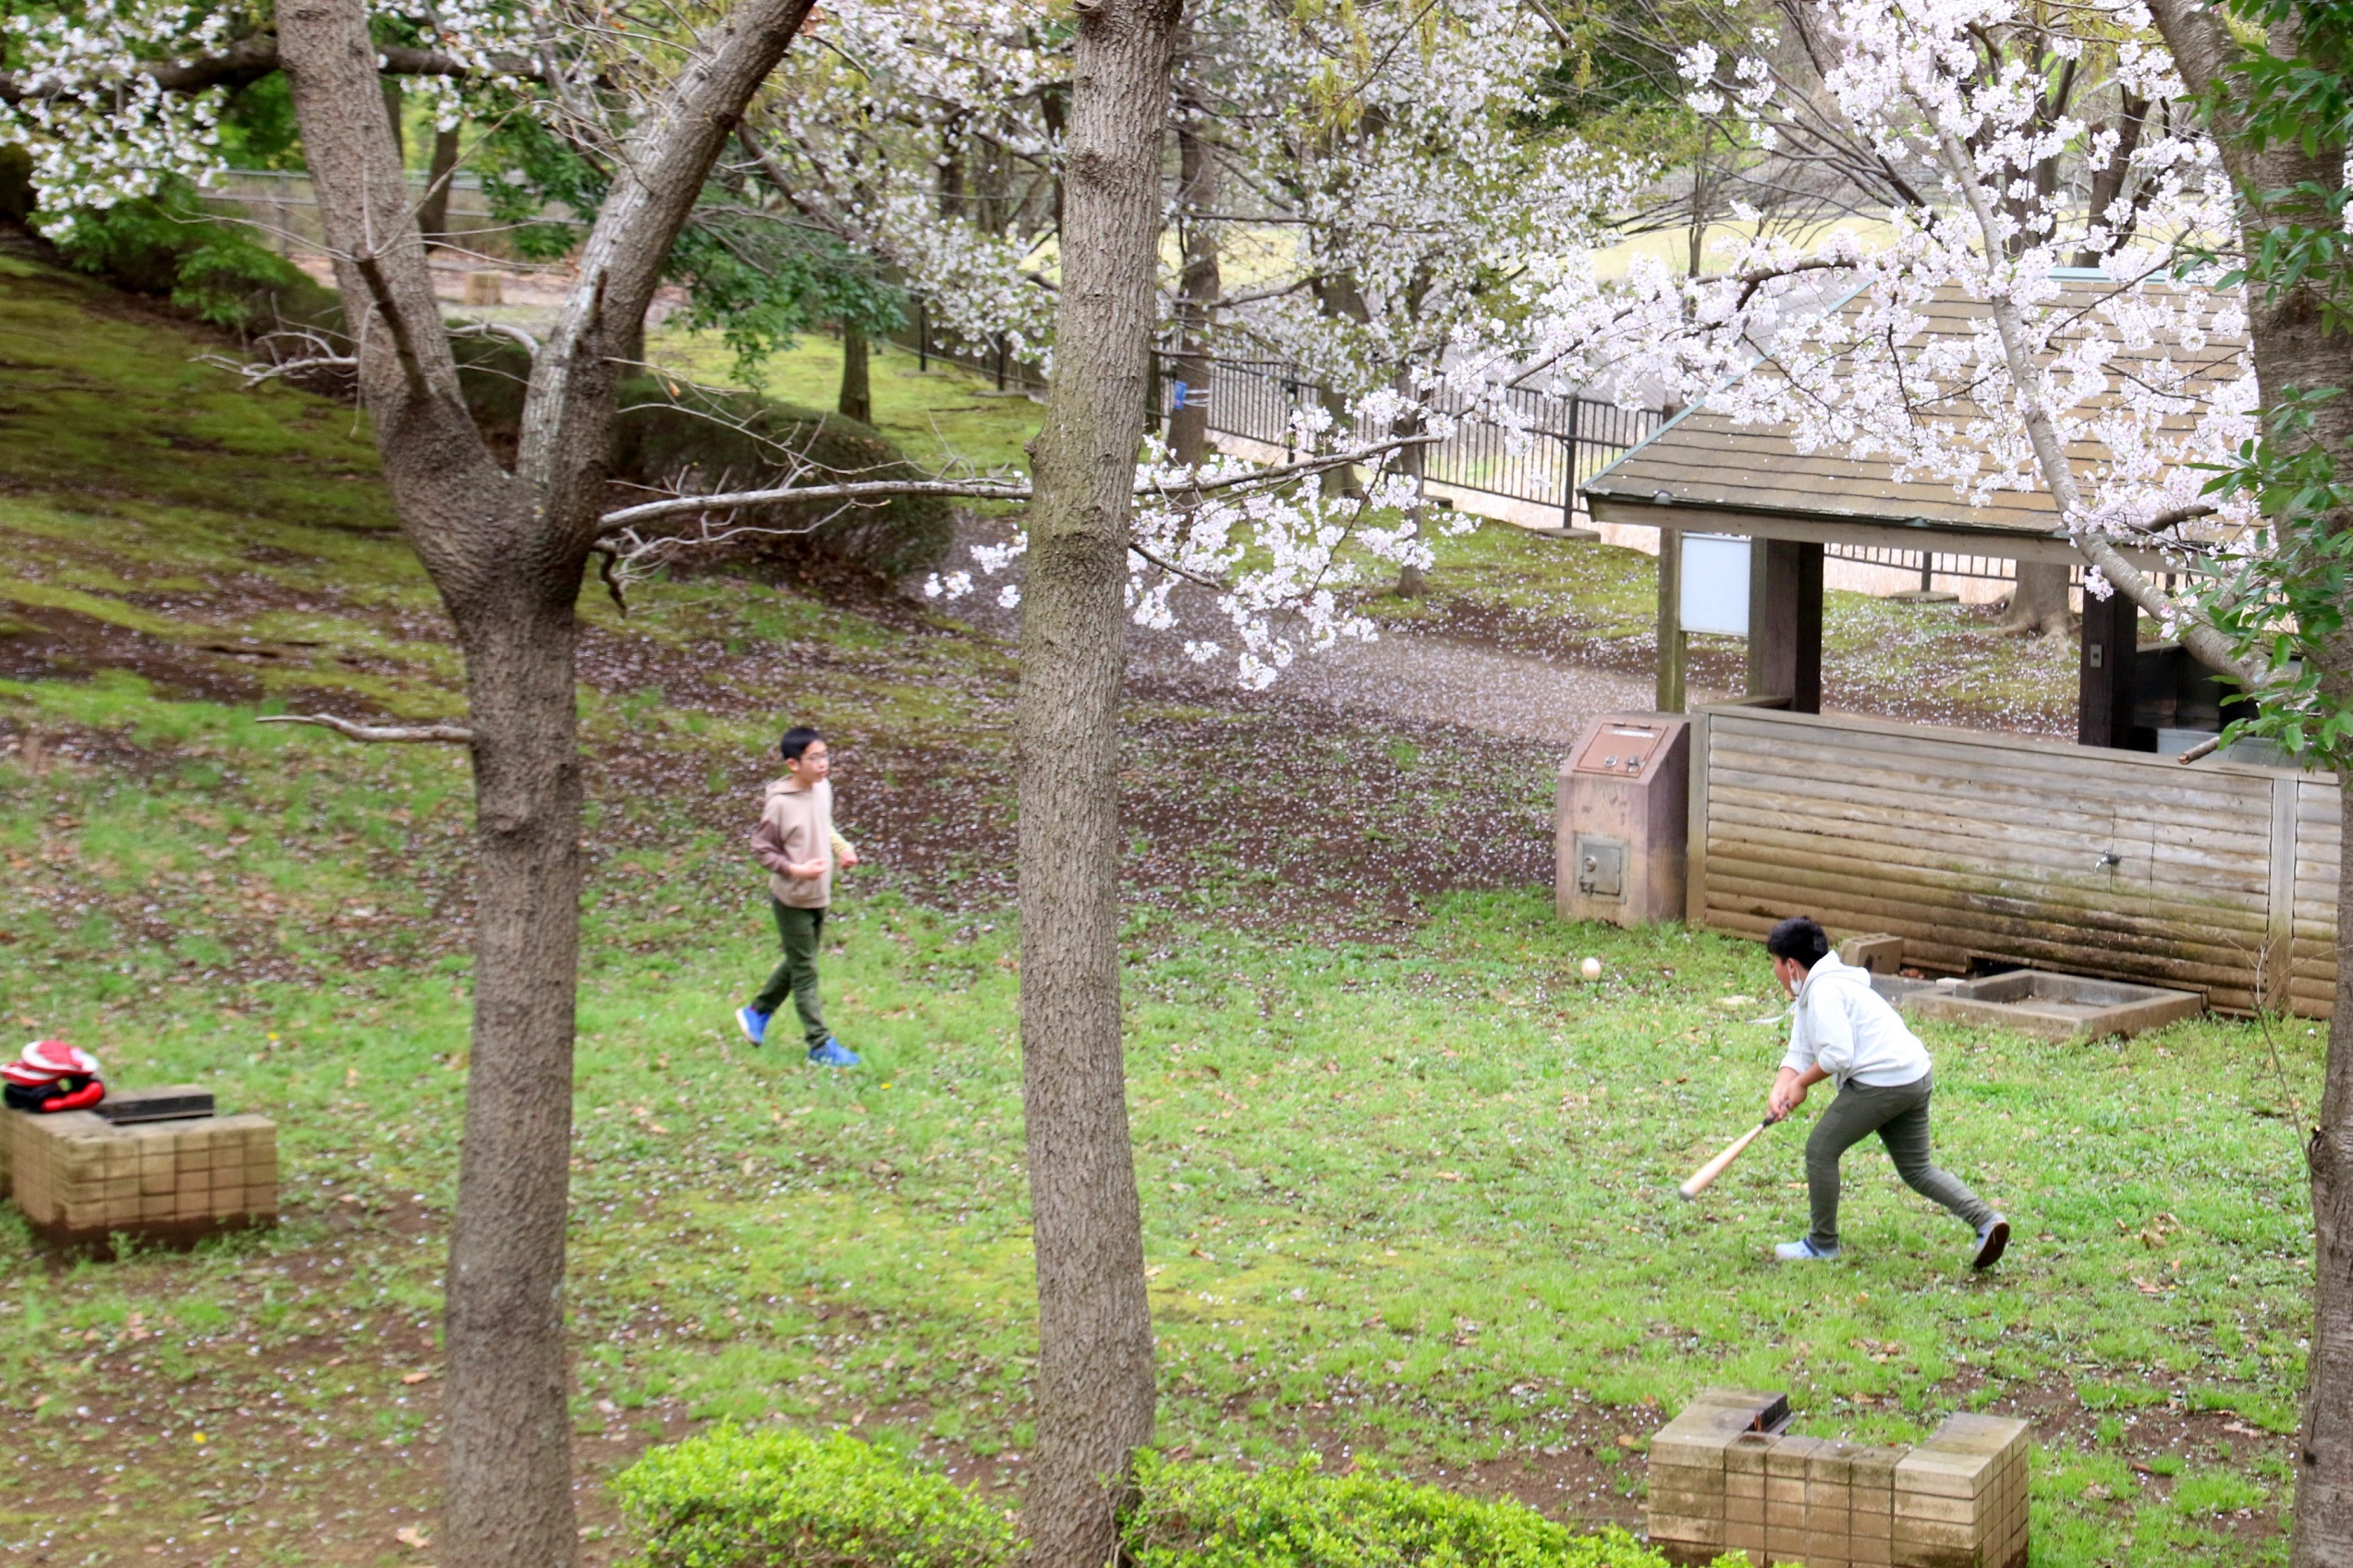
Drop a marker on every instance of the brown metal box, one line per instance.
(1621, 820)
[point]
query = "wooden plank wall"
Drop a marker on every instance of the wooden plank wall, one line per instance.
(2217, 878)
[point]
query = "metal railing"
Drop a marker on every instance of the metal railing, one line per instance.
(1562, 441)
(917, 338)
(1930, 563)
(281, 203)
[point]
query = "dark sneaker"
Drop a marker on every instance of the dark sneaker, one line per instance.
(1990, 1242)
(753, 1025)
(1803, 1251)
(831, 1054)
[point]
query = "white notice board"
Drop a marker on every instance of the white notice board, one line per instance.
(1715, 584)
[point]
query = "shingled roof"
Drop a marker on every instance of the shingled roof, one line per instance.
(1704, 472)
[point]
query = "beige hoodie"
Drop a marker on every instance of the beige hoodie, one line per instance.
(796, 827)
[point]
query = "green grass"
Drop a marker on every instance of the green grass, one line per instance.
(938, 417)
(1477, 1257)
(1407, 1193)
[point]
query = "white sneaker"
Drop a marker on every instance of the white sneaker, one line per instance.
(1802, 1251)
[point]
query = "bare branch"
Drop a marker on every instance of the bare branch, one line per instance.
(396, 734)
(1173, 569)
(2203, 748)
(475, 327)
(865, 491)
(859, 491)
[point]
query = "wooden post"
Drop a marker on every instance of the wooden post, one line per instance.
(2111, 647)
(1785, 624)
(1759, 683)
(1568, 490)
(1670, 691)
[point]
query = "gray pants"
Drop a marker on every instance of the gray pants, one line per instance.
(1900, 1115)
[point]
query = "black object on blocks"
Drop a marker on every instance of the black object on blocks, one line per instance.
(173, 1102)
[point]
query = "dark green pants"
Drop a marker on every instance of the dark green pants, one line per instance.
(1900, 1115)
(797, 976)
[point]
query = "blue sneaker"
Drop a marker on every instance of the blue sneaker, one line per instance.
(832, 1054)
(1990, 1242)
(753, 1025)
(1802, 1251)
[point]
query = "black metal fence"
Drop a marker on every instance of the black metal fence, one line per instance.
(996, 361)
(1562, 441)
(1928, 564)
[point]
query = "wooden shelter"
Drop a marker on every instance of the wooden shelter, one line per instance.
(1982, 851)
(1704, 473)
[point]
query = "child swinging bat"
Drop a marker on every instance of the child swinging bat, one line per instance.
(1842, 1031)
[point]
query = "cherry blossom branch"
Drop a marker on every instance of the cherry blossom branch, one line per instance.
(389, 735)
(2050, 452)
(249, 59)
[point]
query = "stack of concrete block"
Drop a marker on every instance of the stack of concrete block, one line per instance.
(1723, 1479)
(80, 1179)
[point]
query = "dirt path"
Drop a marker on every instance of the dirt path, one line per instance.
(1404, 676)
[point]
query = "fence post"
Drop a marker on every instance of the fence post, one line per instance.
(1568, 490)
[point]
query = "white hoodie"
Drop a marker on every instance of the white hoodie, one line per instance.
(1841, 1026)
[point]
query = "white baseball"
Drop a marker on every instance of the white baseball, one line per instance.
(1591, 968)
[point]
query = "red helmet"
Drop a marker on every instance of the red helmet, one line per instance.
(47, 1061)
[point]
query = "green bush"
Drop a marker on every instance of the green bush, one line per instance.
(1197, 1515)
(685, 437)
(734, 1499)
(168, 246)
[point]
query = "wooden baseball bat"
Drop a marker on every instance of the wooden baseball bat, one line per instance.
(1704, 1177)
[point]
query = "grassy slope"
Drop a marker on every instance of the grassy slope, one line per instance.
(1407, 1194)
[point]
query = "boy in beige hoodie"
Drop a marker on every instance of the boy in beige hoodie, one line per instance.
(797, 842)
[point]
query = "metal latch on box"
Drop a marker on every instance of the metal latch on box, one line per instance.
(1600, 866)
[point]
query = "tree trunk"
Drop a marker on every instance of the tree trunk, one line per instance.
(1198, 289)
(433, 217)
(2293, 352)
(2132, 116)
(1094, 1385)
(2323, 1532)
(506, 552)
(393, 102)
(856, 400)
(2039, 604)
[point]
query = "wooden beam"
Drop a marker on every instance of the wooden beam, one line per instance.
(2005, 544)
(1784, 626)
(2111, 648)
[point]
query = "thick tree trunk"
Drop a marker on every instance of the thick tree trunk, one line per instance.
(432, 216)
(510, 1442)
(2039, 604)
(1094, 1387)
(1197, 290)
(506, 551)
(856, 400)
(2293, 353)
(2323, 1534)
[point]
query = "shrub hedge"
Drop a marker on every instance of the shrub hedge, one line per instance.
(732, 1499)
(736, 1499)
